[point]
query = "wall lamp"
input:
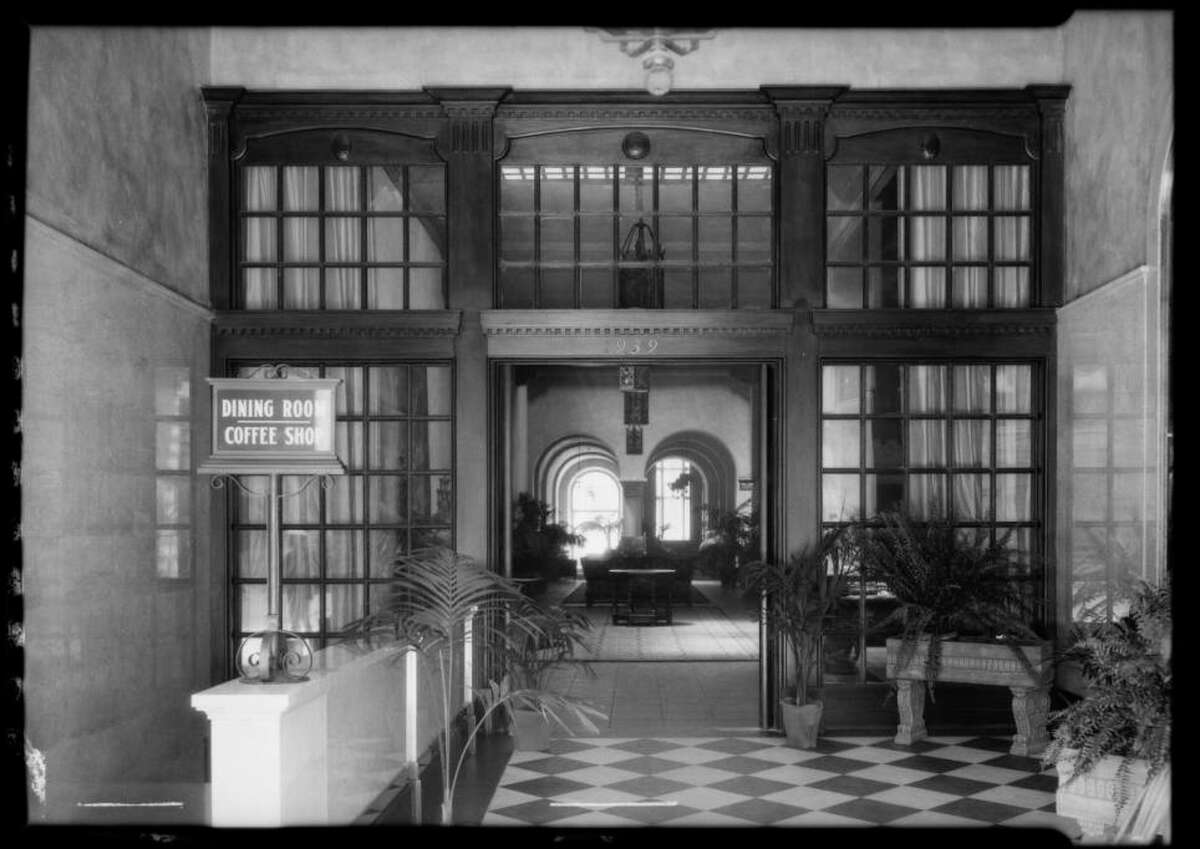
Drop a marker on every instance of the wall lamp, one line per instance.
(656, 44)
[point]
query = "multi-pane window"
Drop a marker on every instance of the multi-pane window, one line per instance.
(342, 237)
(595, 511)
(173, 472)
(659, 236)
(395, 435)
(672, 504)
(929, 236)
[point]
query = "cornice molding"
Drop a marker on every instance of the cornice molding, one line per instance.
(635, 323)
(376, 324)
(655, 113)
(918, 324)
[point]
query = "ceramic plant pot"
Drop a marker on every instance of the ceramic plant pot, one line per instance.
(801, 723)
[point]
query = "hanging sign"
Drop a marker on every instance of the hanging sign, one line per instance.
(268, 425)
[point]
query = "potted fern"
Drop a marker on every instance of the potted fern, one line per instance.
(801, 592)
(541, 547)
(1115, 741)
(434, 593)
(961, 616)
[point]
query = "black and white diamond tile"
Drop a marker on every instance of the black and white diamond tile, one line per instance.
(748, 780)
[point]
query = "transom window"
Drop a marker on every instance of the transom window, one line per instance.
(929, 236)
(601, 236)
(395, 435)
(342, 237)
(672, 504)
(595, 511)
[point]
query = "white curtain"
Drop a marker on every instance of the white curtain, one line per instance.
(259, 238)
(927, 237)
(301, 240)
(342, 240)
(1011, 194)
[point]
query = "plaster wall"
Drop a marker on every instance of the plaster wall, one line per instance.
(1120, 66)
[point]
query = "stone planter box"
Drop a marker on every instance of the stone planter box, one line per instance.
(976, 662)
(1090, 798)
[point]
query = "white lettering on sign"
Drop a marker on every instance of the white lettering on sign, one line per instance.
(249, 408)
(251, 435)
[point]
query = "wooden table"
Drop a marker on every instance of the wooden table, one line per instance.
(641, 596)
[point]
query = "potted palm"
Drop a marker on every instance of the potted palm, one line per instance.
(962, 617)
(1111, 746)
(801, 592)
(541, 547)
(433, 595)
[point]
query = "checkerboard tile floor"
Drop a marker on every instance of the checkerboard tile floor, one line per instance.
(760, 781)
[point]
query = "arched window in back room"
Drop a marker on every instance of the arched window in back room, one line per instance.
(677, 487)
(594, 510)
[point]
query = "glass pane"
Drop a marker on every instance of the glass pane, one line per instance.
(598, 288)
(1014, 443)
(972, 443)
(303, 507)
(844, 239)
(595, 188)
(434, 397)
(301, 288)
(1014, 498)
(972, 497)
(926, 389)
(885, 447)
(844, 288)
(677, 288)
(388, 499)
(258, 243)
(344, 500)
(928, 186)
(754, 239)
(596, 239)
(259, 288)
(389, 445)
(1012, 238)
(385, 189)
(1012, 286)
(557, 188)
(431, 499)
(427, 188)
(1089, 443)
(349, 441)
(716, 189)
(343, 288)
(558, 288)
(173, 500)
(427, 537)
(301, 607)
(716, 288)
(884, 492)
(385, 547)
(716, 240)
(252, 607)
(1127, 497)
(300, 554)
(839, 389)
(258, 182)
(883, 388)
(173, 553)
(884, 239)
(341, 240)
(300, 189)
(843, 187)
(251, 506)
(972, 389)
(558, 239)
(887, 188)
(1014, 389)
(970, 238)
(385, 240)
(348, 398)
(173, 446)
(516, 190)
(676, 238)
(754, 188)
(927, 288)
(343, 604)
(926, 442)
(970, 187)
(426, 288)
(840, 444)
(387, 390)
(970, 288)
(341, 189)
(1011, 187)
(1128, 442)
(432, 446)
(385, 289)
(754, 288)
(926, 497)
(635, 189)
(516, 239)
(927, 238)
(300, 240)
(251, 554)
(885, 286)
(840, 500)
(1089, 497)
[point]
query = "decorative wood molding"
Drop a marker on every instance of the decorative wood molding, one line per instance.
(636, 323)
(917, 324)
(615, 113)
(471, 112)
(802, 115)
(376, 324)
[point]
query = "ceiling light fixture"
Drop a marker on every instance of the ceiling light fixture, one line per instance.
(656, 44)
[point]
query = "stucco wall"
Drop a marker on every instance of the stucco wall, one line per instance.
(117, 146)
(115, 263)
(1120, 66)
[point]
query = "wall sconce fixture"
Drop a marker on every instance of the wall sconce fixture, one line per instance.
(656, 44)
